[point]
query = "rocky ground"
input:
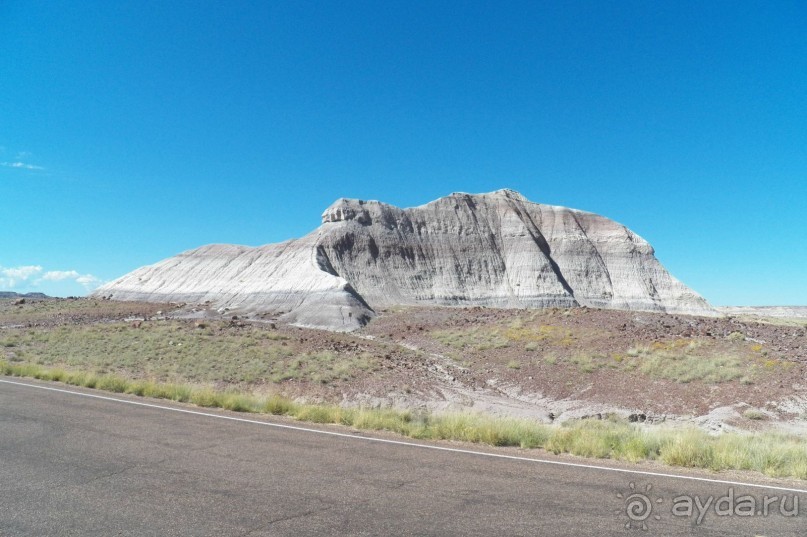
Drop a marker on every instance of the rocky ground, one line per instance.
(549, 365)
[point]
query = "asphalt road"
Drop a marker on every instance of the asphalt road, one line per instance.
(77, 465)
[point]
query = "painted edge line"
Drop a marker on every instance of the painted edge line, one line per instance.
(403, 443)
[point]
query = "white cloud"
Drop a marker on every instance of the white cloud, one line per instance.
(21, 273)
(59, 275)
(10, 277)
(34, 275)
(21, 165)
(88, 280)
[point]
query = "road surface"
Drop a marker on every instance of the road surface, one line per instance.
(73, 463)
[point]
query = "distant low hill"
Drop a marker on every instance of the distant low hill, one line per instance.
(794, 312)
(10, 294)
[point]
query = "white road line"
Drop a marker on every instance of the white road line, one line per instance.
(402, 443)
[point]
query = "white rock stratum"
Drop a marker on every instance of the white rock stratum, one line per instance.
(496, 249)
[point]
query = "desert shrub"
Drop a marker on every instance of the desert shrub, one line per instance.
(754, 414)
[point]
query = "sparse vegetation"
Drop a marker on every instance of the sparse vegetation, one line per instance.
(37, 311)
(682, 360)
(586, 363)
(476, 339)
(176, 351)
(518, 331)
(687, 368)
(675, 361)
(687, 361)
(777, 455)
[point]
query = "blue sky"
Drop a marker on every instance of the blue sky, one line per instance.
(131, 131)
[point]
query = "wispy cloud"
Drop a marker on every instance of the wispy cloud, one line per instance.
(21, 165)
(34, 275)
(89, 281)
(59, 275)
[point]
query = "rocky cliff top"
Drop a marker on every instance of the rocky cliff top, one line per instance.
(496, 249)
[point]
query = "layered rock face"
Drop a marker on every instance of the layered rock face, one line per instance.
(495, 249)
